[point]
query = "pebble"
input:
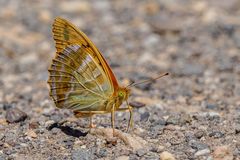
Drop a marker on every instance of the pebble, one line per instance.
(222, 153)
(166, 156)
(102, 153)
(197, 145)
(31, 133)
(160, 148)
(202, 152)
(216, 134)
(1, 136)
(123, 158)
(33, 125)
(7, 106)
(173, 119)
(136, 104)
(3, 122)
(141, 152)
(210, 115)
(55, 131)
(199, 134)
(14, 115)
(211, 106)
(82, 154)
(145, 116)
(237, 129)
(158, 121)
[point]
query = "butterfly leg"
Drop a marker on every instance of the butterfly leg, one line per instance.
(91, 125)
(113, 119)
(130, 122)
(129, 109)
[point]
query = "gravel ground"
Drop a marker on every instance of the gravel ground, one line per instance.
(192, 114)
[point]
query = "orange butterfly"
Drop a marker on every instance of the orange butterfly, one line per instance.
(80, 78)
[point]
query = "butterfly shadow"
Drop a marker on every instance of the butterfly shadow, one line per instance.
(68, 130)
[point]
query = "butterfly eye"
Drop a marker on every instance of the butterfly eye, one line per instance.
(120, 94)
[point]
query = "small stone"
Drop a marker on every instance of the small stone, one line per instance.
(3, 122)
(136, 104)
(237, 129)
(7, 106)
(211, 115)
(15, 115)
(158, 121)
(31, 133)
(173, 119)
(211, 106)
(55, 131)
(222, 153)
(216, 134)
(166, 156)
(123, 158)
(69, 142)
(82, 154)
(145, 116)
(197, 145)
(111, 141)
(202, 152)
(141, 152)
(160, 149)
(102, 153)
(199, 134)
(1, 136)
(33, 125)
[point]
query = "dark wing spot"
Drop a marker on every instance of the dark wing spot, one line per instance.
(66, 33)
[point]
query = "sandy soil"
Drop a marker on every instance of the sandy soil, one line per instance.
(192, 114)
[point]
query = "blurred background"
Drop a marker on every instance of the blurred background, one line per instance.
(198, 42)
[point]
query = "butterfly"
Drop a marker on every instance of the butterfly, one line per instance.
(81, 80)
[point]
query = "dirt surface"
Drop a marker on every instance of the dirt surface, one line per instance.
(192, 114)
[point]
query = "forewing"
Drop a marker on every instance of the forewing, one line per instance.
(65, 33)
(77, 81)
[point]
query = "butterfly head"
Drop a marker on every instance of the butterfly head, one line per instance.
(123, 93)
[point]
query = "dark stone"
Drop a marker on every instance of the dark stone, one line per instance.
(14, 115)
(145, 116)
(199, 134)
(197, 145)
(237, 129)
(136, 104)
(211, 106)
(216, 134)
(7, 106)
(33, 125)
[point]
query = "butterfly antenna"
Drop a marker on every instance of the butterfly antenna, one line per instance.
(148, 80)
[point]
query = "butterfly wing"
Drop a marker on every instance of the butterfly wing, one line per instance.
(65, 33)
(78, 81)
